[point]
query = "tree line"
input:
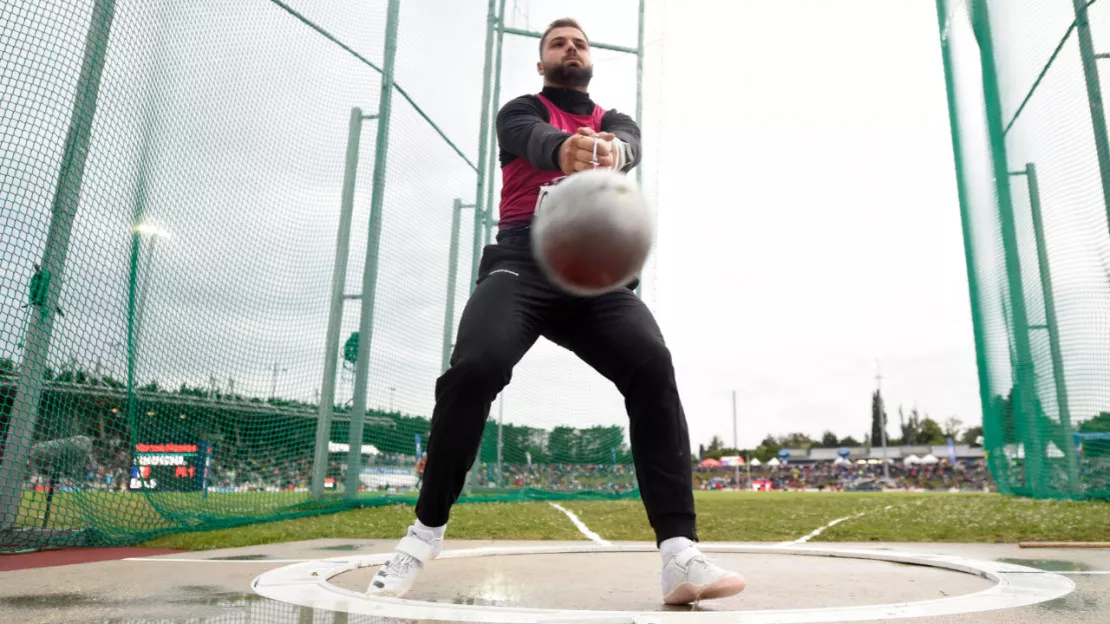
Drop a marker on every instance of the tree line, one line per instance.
(63, 413)
(915, 429)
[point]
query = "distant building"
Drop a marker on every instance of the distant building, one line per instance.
(897, 454)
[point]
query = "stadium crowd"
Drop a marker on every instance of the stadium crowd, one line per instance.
(263, 468)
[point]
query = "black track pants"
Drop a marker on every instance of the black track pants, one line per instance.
(511, 307)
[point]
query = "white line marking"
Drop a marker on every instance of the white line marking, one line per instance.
(308, 584)
(806, 538)
(582, 528)
(177, 560)
(1079, 571)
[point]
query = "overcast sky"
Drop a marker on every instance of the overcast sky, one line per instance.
(797, 154)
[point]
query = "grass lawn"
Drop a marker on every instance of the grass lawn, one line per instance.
(722, 516)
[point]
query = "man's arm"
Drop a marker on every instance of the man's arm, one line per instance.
(523, 131)
(625, 129)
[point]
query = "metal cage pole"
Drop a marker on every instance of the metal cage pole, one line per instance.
(1094, 96)
(1067, 444)
(47, 282)
(335, 310)
(971, 262)
(370, 273)
(1024, 399)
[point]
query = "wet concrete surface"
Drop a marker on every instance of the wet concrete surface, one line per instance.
(209, 592)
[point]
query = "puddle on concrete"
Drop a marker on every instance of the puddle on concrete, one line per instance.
(1074, 602)
(1049, 565)
(244, 558)
(484, 601)
(31, 601)
(214, 596)
(342, 547)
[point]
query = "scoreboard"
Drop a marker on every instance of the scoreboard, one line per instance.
(171, 467)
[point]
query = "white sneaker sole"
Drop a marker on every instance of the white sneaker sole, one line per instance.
(687, 593)
(387, 591)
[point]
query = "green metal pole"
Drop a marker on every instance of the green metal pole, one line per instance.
(992, 442)
(335, 310)
(640, 106)
(494, 164)
(1068, 445)
(640, 83)
(370, 272)
(483, 147)
(480, 217)
(51, 275)
(134, 308)
(594, 45)
(1094, 97)
(1024, 400)
(500, 431)
(452, 278)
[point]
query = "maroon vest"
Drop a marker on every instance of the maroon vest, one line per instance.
(521, 182)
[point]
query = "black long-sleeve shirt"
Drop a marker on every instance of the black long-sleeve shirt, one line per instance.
(524, 131)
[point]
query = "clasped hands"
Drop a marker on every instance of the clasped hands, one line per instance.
(578, 151)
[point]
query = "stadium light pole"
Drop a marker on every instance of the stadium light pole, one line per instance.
(48, 281)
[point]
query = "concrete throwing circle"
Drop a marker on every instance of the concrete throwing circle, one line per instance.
(306, 584)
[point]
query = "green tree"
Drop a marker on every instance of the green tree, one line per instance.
(849, 441)
(829, 440)
(1098, 424)
(952, 427)
(878, 417)
(795, 440)
(768, 448)
(911, 427)
(596, 444)
(562, 445)
(931, 432)
(971, 434)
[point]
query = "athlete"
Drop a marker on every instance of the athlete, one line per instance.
(543, 137)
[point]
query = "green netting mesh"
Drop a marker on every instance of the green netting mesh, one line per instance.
(1030, 139)
(172, 179)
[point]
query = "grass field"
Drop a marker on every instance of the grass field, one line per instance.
(722, 516)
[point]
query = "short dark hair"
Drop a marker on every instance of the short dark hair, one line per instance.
(560, 23)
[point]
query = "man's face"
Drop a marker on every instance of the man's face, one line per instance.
(566, 58)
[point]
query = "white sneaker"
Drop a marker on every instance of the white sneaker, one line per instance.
(397, 576)
(688, 578)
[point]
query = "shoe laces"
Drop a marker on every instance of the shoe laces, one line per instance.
(400, 564)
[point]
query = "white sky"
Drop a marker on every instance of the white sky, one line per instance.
(798, 156)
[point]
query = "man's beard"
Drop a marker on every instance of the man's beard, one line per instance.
(570, 76)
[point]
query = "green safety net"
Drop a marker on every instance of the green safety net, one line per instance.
(1033, 170)
(172, 180)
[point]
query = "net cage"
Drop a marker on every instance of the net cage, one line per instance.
(236, 238)
(1033, 175)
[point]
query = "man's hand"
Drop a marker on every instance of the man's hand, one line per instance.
(578, 150)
